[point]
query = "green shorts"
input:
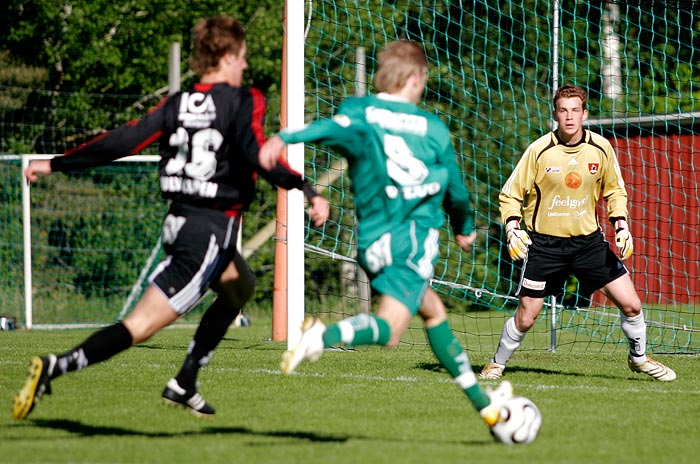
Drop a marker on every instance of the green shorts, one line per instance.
(401, 263)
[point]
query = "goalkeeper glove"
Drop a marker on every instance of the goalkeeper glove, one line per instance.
(623, 239)
(518, 240)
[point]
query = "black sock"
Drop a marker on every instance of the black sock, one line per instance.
(98, 347)
(212, 328)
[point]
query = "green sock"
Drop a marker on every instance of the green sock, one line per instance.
(451, 355)
(362, 329)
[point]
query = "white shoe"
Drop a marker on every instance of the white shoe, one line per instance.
(654, 369)
(310, 345)
(492, 371)
(491, 413)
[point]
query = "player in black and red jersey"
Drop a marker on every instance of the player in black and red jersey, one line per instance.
(209, 137)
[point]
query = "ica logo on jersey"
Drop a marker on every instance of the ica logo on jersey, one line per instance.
(197, 110)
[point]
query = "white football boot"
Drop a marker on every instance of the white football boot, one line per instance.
(310, 346)
(492, 371)
(654, 369)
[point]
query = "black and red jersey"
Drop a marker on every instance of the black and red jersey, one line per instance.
(208, 137)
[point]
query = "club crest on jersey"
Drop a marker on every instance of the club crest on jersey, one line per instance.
(593, 168)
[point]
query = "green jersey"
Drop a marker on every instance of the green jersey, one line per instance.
(401, 164)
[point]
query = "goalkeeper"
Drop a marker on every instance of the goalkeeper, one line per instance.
(403, 168)
(209, 137)
(555, 188)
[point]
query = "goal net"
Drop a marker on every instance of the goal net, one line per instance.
(494, 66)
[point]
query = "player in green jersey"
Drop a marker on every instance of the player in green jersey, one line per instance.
(402, 166)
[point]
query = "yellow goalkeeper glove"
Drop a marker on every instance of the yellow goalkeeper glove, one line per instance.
(623, 239)
(518, 240)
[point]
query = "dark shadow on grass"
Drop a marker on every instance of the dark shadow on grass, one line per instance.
(183, 347)
(86, 430)
(436, 367)
(81, 429)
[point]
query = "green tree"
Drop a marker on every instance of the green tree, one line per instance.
(122, 47)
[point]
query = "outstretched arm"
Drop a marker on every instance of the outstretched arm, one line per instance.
(338, 132)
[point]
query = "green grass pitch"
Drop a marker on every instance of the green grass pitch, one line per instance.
(367, 406)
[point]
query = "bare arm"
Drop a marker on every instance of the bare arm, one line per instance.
(270, 152)
(37, 168)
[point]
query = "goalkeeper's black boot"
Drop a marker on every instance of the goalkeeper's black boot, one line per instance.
(176, 395)
(38, 383)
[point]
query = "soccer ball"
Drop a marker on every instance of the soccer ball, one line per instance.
(241, 320)
(519, 423)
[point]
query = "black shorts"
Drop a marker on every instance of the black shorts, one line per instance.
(199, 243)
(551, 260)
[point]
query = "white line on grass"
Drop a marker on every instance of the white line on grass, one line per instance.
(657, 387)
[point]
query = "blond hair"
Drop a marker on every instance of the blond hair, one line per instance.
(212, 38)
(397, 62)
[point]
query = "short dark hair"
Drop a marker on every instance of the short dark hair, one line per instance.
(570, 91)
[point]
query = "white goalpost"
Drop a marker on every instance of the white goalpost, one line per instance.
(27, 227)
(293, 102)
(291, 271)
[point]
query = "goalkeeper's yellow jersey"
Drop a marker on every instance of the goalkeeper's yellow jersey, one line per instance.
(555, 187)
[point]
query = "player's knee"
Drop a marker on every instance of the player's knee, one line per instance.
(524, 322)
(631, 310)
(630, 306)
(140, 331)
(527, 313)
(247, 291)
(239, 291)
(246, 287)
(240, 298)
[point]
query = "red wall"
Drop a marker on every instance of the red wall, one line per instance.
(662, 174)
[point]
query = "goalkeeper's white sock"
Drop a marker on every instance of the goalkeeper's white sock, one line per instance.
(635, 329)
(510, 341)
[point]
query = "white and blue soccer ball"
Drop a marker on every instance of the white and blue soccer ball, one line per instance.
(519, 423)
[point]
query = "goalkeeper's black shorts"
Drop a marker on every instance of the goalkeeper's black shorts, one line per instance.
(199, 243)
(551, 260)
